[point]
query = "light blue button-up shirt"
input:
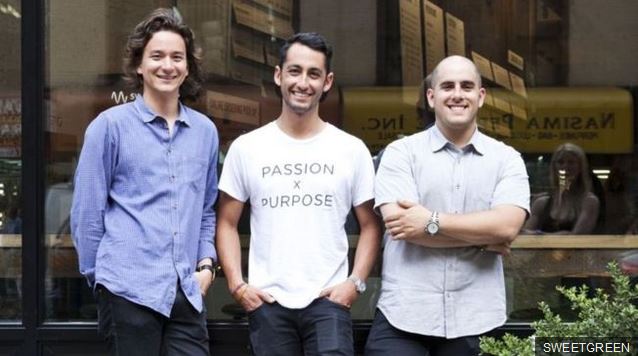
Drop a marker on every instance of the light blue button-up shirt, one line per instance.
(446, 292)
(142, 214)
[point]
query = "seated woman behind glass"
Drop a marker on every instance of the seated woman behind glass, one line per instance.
(571, 207)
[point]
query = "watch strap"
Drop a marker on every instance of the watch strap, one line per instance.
(432, 226)
(358, 283)
(211, 268)
(435, 217)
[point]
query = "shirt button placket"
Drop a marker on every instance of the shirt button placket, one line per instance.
(449, 312)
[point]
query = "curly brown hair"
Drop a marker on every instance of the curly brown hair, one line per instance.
(164, 19)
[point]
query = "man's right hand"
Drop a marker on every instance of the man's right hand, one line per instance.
(251, 298)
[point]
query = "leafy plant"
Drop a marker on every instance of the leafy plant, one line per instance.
(601, 315)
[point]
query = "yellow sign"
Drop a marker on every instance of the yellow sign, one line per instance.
(379, 115)
(600, 120)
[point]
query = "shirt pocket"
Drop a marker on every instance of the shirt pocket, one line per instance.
(194, 172)
(479, 194)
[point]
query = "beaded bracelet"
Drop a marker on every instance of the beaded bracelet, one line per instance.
(237, 288)
(241, 296)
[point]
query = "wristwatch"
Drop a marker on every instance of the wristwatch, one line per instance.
(359, 285)
(432, 227)
(212, 268)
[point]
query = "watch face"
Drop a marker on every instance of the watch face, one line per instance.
(432, 228)
(361, 287)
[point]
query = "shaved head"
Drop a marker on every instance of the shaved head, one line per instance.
(454, 61)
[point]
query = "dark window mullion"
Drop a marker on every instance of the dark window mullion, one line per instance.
(33, 118)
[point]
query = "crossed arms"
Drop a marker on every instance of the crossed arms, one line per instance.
(495, 228)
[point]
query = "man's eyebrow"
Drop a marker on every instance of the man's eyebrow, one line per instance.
(463, 83)
(297, 66)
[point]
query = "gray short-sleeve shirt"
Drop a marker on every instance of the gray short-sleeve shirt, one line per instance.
(447, 292)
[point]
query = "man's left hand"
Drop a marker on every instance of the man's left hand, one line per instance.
(344, 293)
(409, 224)
(205, 279)
(504, 249)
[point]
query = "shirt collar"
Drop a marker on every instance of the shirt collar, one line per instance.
(477, 142)
(439, 142)
(147, 115)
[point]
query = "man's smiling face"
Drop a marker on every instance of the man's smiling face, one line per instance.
(303, 78)
(456, 93)
(164, 66)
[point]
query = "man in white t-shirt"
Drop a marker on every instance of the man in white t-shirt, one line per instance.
(300, 176)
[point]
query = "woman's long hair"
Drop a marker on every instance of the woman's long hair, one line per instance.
(568, 194)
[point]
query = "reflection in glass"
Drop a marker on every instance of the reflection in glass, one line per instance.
(239, 57)
(571, 206)
(10, 163)
(78, 88)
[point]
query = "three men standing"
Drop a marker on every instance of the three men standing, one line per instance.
(143, 221)
(142, 218)
(452, 199)
(301, 177)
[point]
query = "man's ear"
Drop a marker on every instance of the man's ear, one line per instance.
(482, 94)
(329, 80)
(429, 94)
(277, 76)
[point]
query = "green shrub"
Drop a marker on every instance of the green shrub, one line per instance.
(602, 315)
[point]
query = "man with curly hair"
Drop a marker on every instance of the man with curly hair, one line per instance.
(142, 218)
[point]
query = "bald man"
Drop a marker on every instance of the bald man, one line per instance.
(452, 199)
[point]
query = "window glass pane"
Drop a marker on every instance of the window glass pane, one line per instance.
(554, 73)
(10, 163)
(84, 59)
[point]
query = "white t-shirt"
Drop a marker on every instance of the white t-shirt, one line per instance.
(300, 192)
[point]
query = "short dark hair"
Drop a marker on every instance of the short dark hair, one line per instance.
(164, 19)
(312, 40)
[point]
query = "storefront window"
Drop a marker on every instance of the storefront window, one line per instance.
(10, 163)
(85, 41)
(555, 73)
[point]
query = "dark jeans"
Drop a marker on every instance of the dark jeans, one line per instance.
(322, 328)
(384, 339)
(132, 329)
